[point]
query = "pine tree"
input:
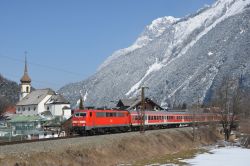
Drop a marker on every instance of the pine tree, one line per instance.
(81, 104)
(184, 106)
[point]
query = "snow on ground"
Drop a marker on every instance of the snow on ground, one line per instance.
(229, 156)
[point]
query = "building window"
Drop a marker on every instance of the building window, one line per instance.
(27, 89)
(47, 108)
(23, 109)
(29, 109)
(34, 108)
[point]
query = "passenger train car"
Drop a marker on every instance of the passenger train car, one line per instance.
(102, 121)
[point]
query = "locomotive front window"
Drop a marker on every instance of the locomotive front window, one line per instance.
(81, 114)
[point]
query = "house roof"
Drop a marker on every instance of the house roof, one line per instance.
(35, 97)
(57, 99)
(138, 101)
(131, 103)
(10, 110)
(23, 118)
(128, 102)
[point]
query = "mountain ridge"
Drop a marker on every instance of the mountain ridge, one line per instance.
(9, 91)
(184, 57)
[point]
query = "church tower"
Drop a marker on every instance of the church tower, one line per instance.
(25, 82)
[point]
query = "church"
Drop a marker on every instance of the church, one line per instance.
(43, 102)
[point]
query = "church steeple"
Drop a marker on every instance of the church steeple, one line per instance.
(25, 81)
(25, 78)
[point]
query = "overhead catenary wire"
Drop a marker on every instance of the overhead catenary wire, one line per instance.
(13, 76)
(43, 83)
(41, 65)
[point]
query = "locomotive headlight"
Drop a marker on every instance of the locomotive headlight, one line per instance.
(82, 121)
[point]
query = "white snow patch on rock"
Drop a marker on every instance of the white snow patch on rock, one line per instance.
(153, 68)
(210, 53)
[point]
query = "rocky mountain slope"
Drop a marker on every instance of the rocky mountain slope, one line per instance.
(179, 59)
(9, 91)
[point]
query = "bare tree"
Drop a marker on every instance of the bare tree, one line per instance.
(229, 97)
(3, 105)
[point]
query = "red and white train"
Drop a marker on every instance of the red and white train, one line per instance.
(102, 121)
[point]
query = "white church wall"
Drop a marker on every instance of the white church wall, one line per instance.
(41, 105)
(57, 109)
(27, 110)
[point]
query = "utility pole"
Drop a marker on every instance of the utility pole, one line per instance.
(142, 117)
(197, 123)
(194, 118)
(193, 124)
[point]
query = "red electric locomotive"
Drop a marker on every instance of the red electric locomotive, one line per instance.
(100, 121)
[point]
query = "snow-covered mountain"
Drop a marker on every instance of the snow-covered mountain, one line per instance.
(179, 59)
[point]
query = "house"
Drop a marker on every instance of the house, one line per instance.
(40, 101)
(58, 106)
(135, 104)
(26, 125)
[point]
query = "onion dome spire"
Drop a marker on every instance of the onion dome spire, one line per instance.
(25, 78)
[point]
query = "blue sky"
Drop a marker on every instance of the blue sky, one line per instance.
(66, 40)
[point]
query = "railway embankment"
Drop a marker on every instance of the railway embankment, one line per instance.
(112, 149)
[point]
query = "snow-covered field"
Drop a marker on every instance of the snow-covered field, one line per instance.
(229, 156)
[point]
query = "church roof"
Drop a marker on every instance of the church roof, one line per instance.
(25, 78)
(35, 97)
(57, 99)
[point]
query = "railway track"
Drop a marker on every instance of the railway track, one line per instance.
(37, 140)
(66, 137)
(75, 136)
